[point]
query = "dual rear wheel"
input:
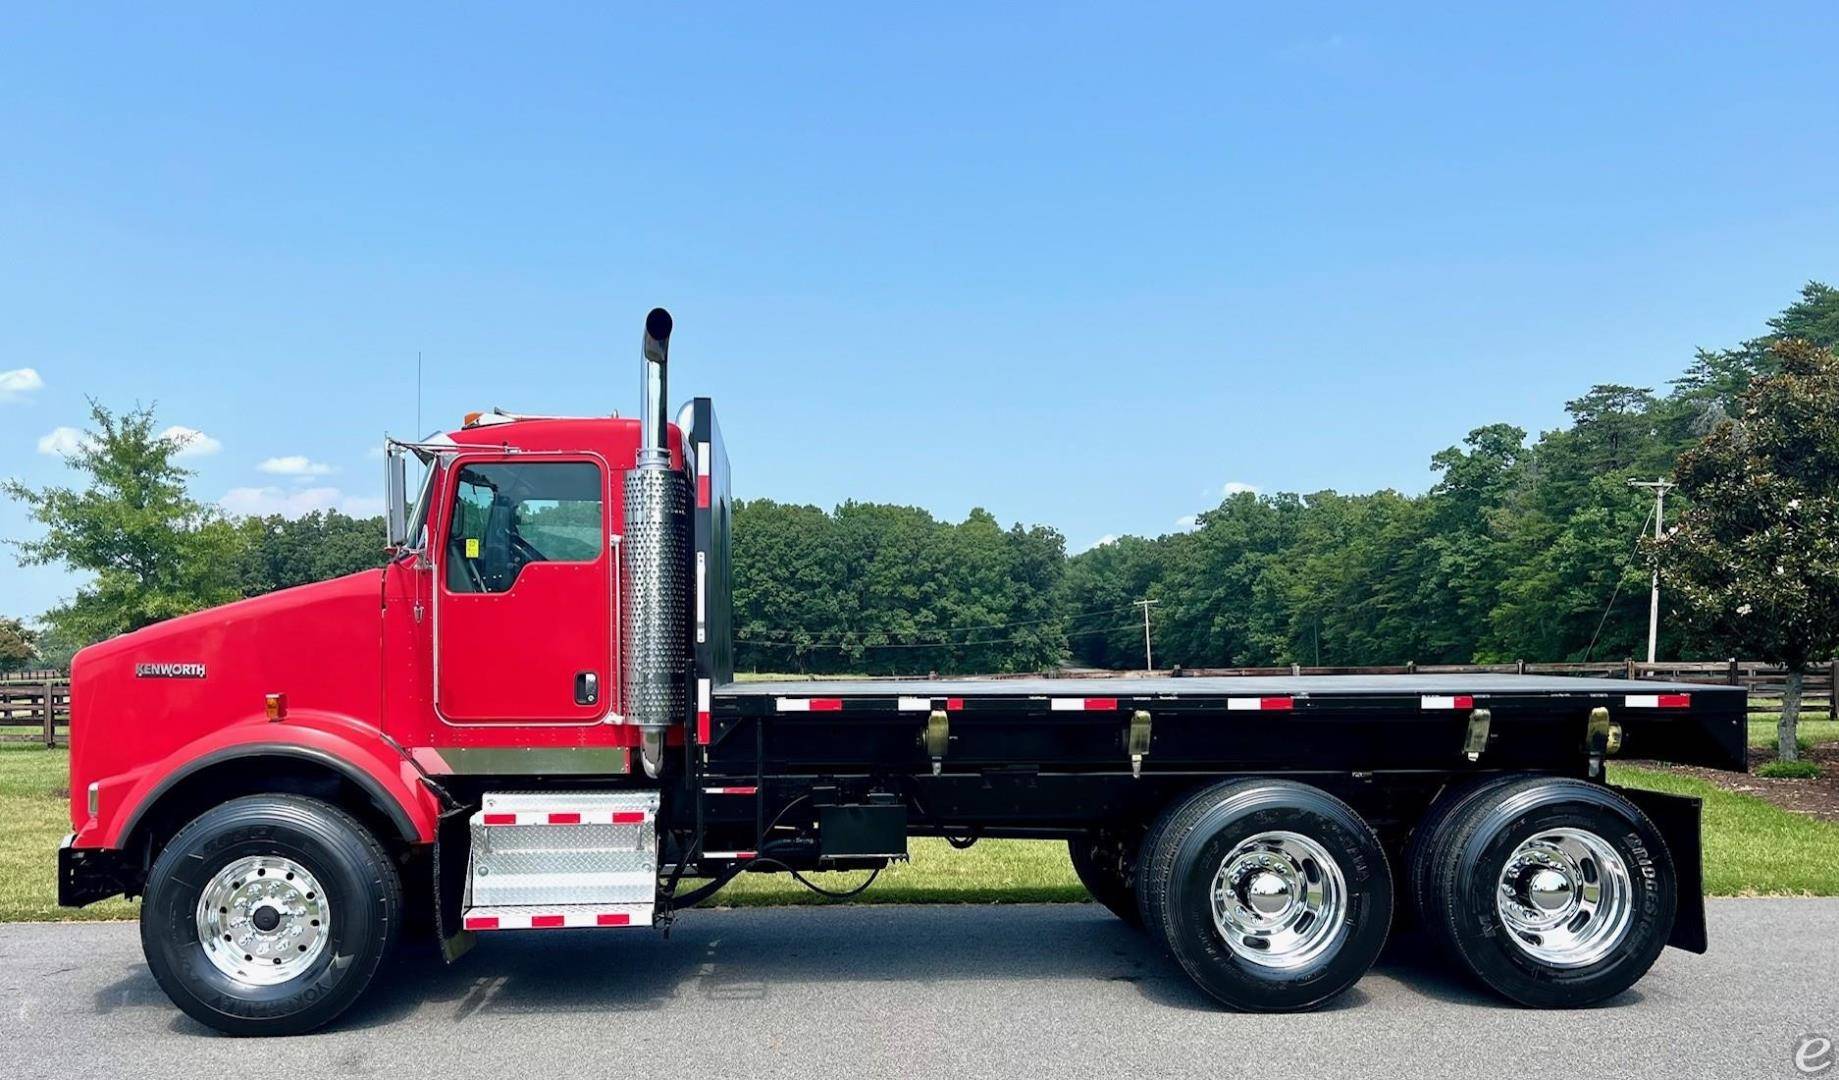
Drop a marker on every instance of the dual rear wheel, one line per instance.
(1273, 896)
(1276, 896)
(1554, 893)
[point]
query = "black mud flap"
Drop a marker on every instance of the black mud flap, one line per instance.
(86, 875)
(452, 848)
(1677, 818)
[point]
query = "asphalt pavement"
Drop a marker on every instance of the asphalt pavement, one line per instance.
(1037, 992)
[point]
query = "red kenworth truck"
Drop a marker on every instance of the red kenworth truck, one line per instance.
(527, 720)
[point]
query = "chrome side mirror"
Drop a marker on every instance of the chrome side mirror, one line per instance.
(395, 498)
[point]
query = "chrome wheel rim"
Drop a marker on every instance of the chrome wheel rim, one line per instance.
(263, 920)
(1565, 898)
(1279, 900)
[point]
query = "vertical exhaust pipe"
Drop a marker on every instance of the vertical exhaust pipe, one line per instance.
(655, 596)
(654, 389)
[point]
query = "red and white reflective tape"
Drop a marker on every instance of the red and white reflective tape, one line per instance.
(705, 462)
(553, 920)
(566, 817)
(813, 704)
(924, 704)
(1083, 704)
(1447, 701)
(702, 711)
(1657, 701)
(731, 791)
(738, 856)
(1260, 704)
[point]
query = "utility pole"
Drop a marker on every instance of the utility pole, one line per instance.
(1660, 488)
(1149, 661)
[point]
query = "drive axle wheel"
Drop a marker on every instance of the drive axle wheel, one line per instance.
(1105, 864)
(269, 915)
(1273, 896)
(1553, 892)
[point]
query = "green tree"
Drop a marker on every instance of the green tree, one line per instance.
(1221, 604)
(150, 551)
(873, 588)
(1753, 562)
(1097, 594)
(278, 553)
(18, 645)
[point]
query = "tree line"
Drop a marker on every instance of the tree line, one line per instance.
(1524, 547)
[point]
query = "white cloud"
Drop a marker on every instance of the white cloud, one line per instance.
(1108, 538)
(295, 465)
(19, 382)
(190, 441)
(1238, 487)
(1187, 522)
(263, 501)
(62, 442)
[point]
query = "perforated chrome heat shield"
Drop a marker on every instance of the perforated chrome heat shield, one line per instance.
(655, 600)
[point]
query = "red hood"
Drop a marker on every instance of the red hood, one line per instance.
(137, 698)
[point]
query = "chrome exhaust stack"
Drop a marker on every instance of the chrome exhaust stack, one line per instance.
(654, 595)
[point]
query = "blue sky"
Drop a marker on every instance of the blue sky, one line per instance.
(1079, 268)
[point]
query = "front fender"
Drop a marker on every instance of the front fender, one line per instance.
(358, 751)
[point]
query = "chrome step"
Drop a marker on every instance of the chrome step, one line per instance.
(563, 855)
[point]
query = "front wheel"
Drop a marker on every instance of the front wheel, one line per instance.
(269, 915)
(1272, 895)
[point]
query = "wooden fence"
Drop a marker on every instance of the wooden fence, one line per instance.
(35, 710)
(26, 717)
(1765, 681)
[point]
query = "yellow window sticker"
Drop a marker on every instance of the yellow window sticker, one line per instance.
(472, 548)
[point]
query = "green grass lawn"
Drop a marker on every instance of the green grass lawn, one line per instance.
(1752, 848)
(34, 816)
(1814, 727)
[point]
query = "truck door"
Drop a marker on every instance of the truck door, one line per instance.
(523, 605)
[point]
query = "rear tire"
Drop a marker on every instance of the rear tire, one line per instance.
(1554, 893)
(1431, 838)
(1106, 866)
(300, 904)
(1272, 895)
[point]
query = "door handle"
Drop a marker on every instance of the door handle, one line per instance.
(587, 688)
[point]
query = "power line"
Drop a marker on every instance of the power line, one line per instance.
(1149, 660)
(1620, 577)
(1660, 488)
(915, 644)
(956, 629)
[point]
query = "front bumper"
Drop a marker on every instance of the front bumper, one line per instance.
(86, 875)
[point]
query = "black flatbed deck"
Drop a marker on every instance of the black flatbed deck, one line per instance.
(1360, 721)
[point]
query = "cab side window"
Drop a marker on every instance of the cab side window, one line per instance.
(509, 515)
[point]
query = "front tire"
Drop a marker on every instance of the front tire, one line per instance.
(1272, 895)
(269, 915)
(1554, 893)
